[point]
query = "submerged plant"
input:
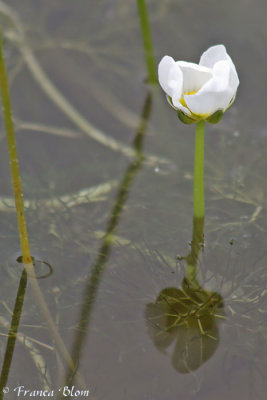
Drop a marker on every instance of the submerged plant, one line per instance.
(188, 318)
(188, 315)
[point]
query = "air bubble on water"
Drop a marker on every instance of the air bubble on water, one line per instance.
(188, 176)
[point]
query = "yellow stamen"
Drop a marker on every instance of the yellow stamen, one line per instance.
(182, 101)
(196, 116)
(188, 93)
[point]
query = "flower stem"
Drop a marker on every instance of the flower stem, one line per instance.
(196, 245)
(13, 157)
(199, 197)
(147, 41)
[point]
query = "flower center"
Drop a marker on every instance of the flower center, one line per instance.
(182, 101)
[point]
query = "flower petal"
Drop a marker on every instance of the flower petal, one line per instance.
(214, 54)
(194, 76)
(218, 53)
(170, 77)
(234, 81)
(203, 89)
(178, 105)
(216, 94)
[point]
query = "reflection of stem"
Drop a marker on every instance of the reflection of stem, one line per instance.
(13, 332)
(147, 41)
(98, 268)
(199, 198)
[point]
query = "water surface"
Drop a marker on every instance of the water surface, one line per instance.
(100, 290)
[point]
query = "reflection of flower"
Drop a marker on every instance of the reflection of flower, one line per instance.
(198, 91)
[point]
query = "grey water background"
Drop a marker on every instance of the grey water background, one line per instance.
(92, 52)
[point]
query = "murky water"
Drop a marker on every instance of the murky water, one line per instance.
(83, 115)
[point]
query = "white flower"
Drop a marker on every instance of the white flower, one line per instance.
(200, 90)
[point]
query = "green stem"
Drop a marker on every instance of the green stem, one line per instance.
(12, 335)
(13, 157)
(147, 41)
(199, 206)
(25, 248)
(196, 246)
(199, 197)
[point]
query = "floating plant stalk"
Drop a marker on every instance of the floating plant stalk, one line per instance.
(147, 42)
(25, 248)
(12, 335)
(92, 286)
(13, 157)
